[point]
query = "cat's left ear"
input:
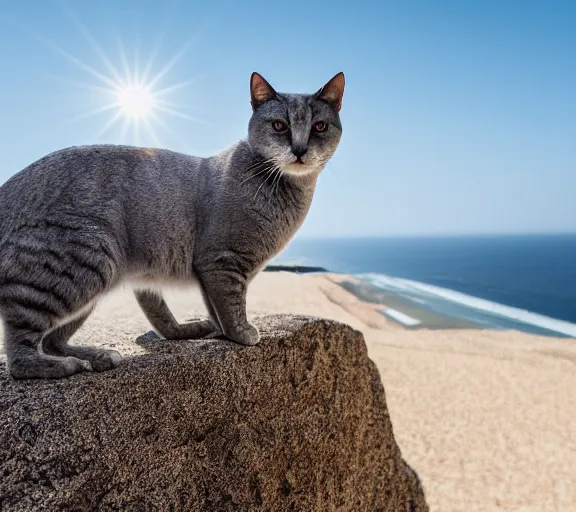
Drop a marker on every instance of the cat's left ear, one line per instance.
(260, 91)
(333, 91)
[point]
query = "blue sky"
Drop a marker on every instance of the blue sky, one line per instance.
(459, 117)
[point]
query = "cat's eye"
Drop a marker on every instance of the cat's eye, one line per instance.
(320, 126)
(279, 126)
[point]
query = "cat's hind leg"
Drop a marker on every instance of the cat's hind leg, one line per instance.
(49, 273)
(163, 321)
(56, 343)
(26, 361)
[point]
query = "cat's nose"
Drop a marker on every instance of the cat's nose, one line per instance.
(299, 151)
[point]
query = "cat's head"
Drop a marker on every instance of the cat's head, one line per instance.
(297, 132)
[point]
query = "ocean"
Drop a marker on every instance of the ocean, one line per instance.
(523, 282)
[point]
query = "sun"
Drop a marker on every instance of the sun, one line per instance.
(136, 98)
(136, 101)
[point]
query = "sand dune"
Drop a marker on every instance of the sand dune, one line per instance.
(485, 417)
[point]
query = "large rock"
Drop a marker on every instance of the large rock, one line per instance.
(296, 423)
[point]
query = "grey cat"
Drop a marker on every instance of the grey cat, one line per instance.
(81, 220)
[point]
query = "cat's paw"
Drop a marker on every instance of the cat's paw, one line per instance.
(249, 336)
(105, 360)
(85, 365)
(47, 367)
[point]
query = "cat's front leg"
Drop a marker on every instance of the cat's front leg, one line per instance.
(225, 294)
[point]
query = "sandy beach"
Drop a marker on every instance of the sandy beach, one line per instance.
(485, 417)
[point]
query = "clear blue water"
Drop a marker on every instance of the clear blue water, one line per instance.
(534, 274)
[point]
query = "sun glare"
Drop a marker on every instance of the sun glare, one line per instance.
(137, 98)
(136, 101)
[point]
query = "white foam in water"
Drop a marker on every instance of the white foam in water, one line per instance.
(401, 317)
(517, 314)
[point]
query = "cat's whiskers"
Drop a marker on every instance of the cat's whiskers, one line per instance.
(259, 163)
(268, 168)
(278, 174)
(270, 173)
(333, 168)
(255, 166)
(277, 179)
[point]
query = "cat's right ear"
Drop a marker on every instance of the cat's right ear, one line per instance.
(260, 91)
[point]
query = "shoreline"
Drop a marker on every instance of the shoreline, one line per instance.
(392, 306)
(437, 311)
(399, 309)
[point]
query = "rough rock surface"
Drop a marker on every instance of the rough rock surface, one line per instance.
(296, 423)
